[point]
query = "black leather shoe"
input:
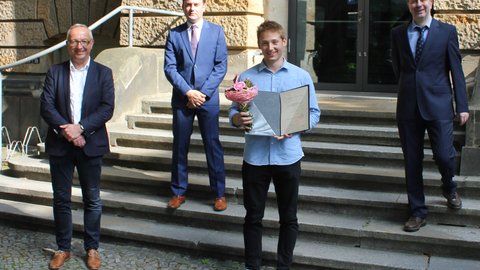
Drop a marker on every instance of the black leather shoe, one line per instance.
(414, 224)
(453, 200)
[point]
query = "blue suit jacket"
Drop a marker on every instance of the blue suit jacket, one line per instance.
(205, 73)
(428, 83)
(97, 108)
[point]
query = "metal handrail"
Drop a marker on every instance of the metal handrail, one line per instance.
(92, 27)
(63, 43)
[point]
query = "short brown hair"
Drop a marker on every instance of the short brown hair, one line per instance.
(204, 1)
(270, 26)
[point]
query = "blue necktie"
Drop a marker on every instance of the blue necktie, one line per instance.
(420, 43)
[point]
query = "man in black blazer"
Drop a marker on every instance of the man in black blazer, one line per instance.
(77, 100)
(425, 53)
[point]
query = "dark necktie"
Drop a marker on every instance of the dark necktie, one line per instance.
(194, 41)
(420, 42)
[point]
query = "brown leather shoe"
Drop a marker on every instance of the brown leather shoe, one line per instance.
(453, 200)
(220, 204)
(93, 259)
(176, 201)
(414, 224)
(59, 259)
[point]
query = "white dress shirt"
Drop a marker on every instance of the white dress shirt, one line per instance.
(199, 25)
(78, 78)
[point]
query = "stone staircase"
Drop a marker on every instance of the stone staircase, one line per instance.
(352, 201)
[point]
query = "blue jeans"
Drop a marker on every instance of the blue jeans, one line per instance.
(256, 180)
(89, 171)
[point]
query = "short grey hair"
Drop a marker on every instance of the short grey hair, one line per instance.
(82, 25)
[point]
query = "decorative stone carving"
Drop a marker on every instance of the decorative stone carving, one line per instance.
(457, 4)
(468, 28)
(255, 6)
(22, 33)
(240, 31)
(46, 12)
(18, 9)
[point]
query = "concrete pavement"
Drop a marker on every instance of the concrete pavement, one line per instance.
(23, 249)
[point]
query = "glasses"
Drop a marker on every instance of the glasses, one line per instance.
(74, 42)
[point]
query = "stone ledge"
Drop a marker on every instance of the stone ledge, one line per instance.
(8, 56)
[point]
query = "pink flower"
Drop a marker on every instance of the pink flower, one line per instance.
(242, 93)
(239, 85)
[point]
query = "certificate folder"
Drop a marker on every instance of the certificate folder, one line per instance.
(276, 114)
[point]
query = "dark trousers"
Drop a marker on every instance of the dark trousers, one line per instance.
(89, 171)
(182, 130)
(412, 134)
(256, 181)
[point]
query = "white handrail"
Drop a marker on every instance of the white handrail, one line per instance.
(92, 27)
(63, 43)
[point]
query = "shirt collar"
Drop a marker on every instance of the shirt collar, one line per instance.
(72, 66)
(199, 24)
(414, 25)
(285, 65)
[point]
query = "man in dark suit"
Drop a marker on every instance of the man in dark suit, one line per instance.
(425, 53)
(77, 100)
(195, 64)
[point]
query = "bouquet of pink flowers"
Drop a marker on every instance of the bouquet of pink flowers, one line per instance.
(242, 93)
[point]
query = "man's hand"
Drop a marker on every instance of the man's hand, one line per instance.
(463, 117)
(242, 119)
(71, 131)
(195, 98)
(79, 141)
(283, 136)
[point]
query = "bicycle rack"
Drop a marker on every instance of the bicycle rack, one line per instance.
(28, 136)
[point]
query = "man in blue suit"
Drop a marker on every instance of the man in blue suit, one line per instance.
(425, 53)
(195, 64)
(77, 100)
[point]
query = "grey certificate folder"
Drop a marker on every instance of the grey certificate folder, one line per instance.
(276, 114)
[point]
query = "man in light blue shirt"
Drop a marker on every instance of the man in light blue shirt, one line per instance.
(272, 157)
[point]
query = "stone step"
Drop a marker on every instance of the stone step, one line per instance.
(353, 134)
(307, 254)
(360, 203)
(338, 153)
(315, 227)
(338, 112)
(157, 163)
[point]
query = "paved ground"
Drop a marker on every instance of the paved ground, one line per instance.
(23, 249)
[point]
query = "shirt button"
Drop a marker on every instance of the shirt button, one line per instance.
(272, 142)
(273, 89)
(195, 66)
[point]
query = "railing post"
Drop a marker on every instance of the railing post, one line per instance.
(130, 29)
(1, 118)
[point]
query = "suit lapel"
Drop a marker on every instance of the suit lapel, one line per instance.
(204, 36)
(66, 87)
(432, 34)
(406, 42)
(186, 41)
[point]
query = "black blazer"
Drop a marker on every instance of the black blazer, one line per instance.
(97, 108)
(428, 83)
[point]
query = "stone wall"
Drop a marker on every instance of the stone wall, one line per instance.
(30, 26)
(239, 19)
